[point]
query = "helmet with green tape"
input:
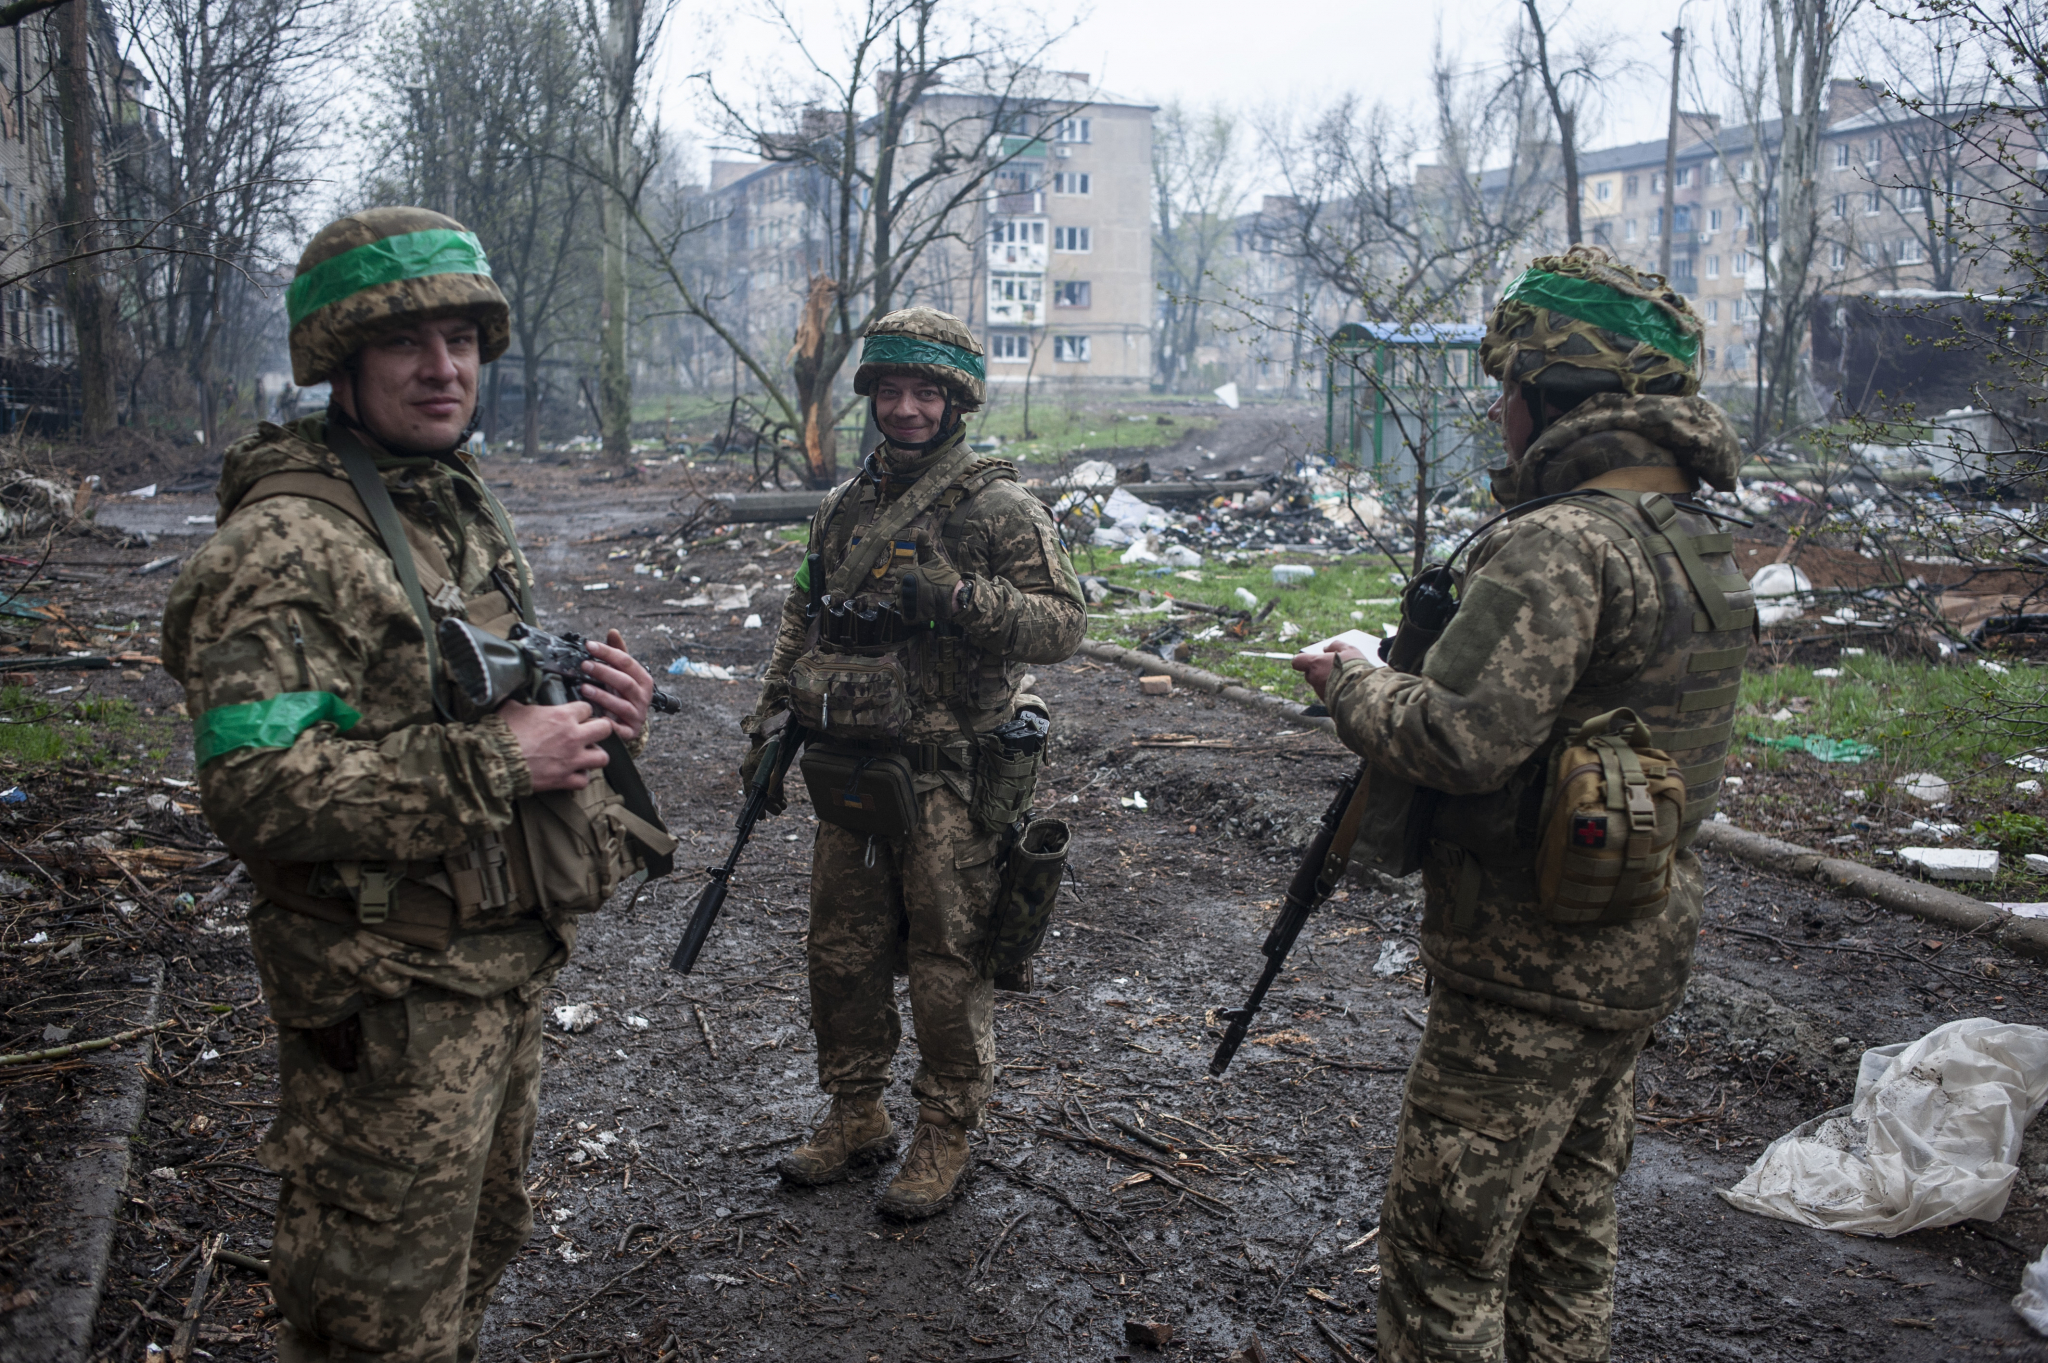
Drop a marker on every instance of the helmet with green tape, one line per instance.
(1583, 323)
(926, 343)
(383, 267)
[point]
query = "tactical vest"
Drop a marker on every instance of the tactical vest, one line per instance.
(942, 665)
(564, 852)
(1482, 933)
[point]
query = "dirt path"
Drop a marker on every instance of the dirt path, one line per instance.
(662, 1223)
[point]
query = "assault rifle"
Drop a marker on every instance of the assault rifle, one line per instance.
(1322, 865)
(528, 665)
(776, 756)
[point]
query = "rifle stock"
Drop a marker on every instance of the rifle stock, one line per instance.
(1321, 867)
(781, 749)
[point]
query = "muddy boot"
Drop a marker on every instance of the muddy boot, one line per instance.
(933, 1173)
(856, 1132)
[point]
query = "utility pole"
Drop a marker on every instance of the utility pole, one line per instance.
(1677, 37)
(84, 282)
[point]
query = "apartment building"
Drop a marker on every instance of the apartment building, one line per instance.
(1059, 282)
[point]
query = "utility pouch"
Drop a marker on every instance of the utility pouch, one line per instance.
(851, 697)
(573, 848)
(1024, 901)
(1006, 768)
(861, 790)
(1610, 837)
(1427, 608)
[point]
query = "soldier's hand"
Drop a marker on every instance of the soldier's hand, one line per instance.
(1317, 668)
(750, 766)
(559, 742)
(931, 589)
(624, 689)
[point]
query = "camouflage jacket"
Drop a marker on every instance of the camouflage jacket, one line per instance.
(291, 598)
(1027, 605)
(1489, 698)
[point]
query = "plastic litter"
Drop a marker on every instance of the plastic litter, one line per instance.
(576, 1017)
(2032, 1301)
(1246, 599)
(683, 667)
(1143, 553)
(1780, 579)
(751, 622)
(1396, 957)
(1292, 574)
(2024, 910)
(1227, 395)
(1951, 863)
(1180, 556)
(13, 795)
(1822, 747)
(1925, 786)
(1931, 1138)
(2027, 787)
(1135, 800)
(2037, 863)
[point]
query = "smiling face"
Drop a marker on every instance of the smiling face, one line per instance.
(415, 388)
(909, 408)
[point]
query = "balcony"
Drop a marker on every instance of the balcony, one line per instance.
(1016, 300)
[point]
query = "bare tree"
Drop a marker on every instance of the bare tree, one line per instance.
(1567, 84)
(888, 146)
(219, 150)
(492, 95)
(1197, 188)
(85, 283)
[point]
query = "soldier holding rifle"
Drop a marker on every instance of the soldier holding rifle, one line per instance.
(1551, 758)
(419, 860)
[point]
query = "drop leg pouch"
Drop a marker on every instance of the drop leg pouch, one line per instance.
(1024, 903)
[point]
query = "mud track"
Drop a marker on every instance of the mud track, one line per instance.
(664, 1233)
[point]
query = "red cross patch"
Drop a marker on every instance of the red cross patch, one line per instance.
(1589, 830)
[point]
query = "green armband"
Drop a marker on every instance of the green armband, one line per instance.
(273, 723)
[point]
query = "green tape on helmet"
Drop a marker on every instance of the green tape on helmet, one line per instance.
(410, 255)
(1590, 301)
(899, 349)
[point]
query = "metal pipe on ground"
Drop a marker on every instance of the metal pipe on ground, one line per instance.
(798, 504)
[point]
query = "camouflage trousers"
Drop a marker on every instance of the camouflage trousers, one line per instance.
(1497, 1234)
(404, 1195)
(922, 907)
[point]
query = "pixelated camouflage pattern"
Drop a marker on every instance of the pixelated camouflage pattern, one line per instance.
(921, 909)
(1614, 430)
(403, 1193)
(323, 340)
(1498, 1236)
(927, 324)
(1562, 616)
(1027, 605)
(291, 594)
(1524, 342)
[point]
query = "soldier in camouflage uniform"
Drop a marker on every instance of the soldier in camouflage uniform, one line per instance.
(1498, 1230)
(405, 926)
(966, 594)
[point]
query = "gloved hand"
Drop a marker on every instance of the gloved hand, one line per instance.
(778, 798)
(927, 590)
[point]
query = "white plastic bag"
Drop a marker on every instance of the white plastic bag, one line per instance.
(2032, 1302)
(1931, 1139)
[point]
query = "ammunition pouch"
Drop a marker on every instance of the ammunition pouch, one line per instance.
(1029, 888)
(1004, 782)
(1393, 832)
(421, 903)
(868, 791)
(1610, 837)
(851, 697)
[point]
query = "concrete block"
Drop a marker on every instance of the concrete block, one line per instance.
(1951, 863)
(1156, 686)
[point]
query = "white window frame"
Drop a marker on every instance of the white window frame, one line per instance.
(1604, 190)
(1086, 286)
(1713, 267)
(1077, 130)
(1009, 347)
(1078, 240)
(1072, 182)
(1072, 349)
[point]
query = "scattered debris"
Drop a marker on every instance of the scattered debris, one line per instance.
(1946, 863)
(1135, 800)
(1395, 957)
(683, 667)
(1156, 686)
(2032, 1301)
(1153, 1334)
(1820, 747)
(1292, 574)
(1926, 787)
(576, 1017)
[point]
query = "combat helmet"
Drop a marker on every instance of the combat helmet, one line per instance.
(929, 344)
(362, 273)
(1583, 323)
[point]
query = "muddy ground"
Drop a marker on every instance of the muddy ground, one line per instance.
(663, 1231)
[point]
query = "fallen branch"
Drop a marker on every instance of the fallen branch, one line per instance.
(704, 1026)
(983, 1264)
(1161, 1169)
(188, 1329)
(558, 1321)
(81, 1047)
(1336, 1342)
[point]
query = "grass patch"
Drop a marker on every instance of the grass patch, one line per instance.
(1916, 714)
(40, 731)
(1329, 603)
(1059, 432)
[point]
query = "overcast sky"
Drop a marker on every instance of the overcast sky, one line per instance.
(1251, 55)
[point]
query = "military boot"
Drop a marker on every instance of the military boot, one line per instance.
(856, 1132)
(933, 1173)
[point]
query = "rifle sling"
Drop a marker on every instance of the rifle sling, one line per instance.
(1346, 835)
(880, 533)
(362, 474)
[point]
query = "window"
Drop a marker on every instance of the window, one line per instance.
(1657, 183)
(1745, 171)
(1070, 349)
(1628, 187)
(1872, 202)
(1838, 256)
(1071, 293)
(1713, 220)
(1909, 251)
(1009, 346)
(1741, 215)
(1841, 156)
(1017, 232)
(1077, 130)
(1684, 177)
(1841, 205)
(1713, 309)
(1873, 152)
(1913, 199)
(1071, 239)
(1710, 357)
(1713, 267)
(1714, 171)
(1681, 218)
(1741, 262)
(1604, 190)
(1656, 222)
(1681, 266)
(1628, 230)
(1070, 182)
